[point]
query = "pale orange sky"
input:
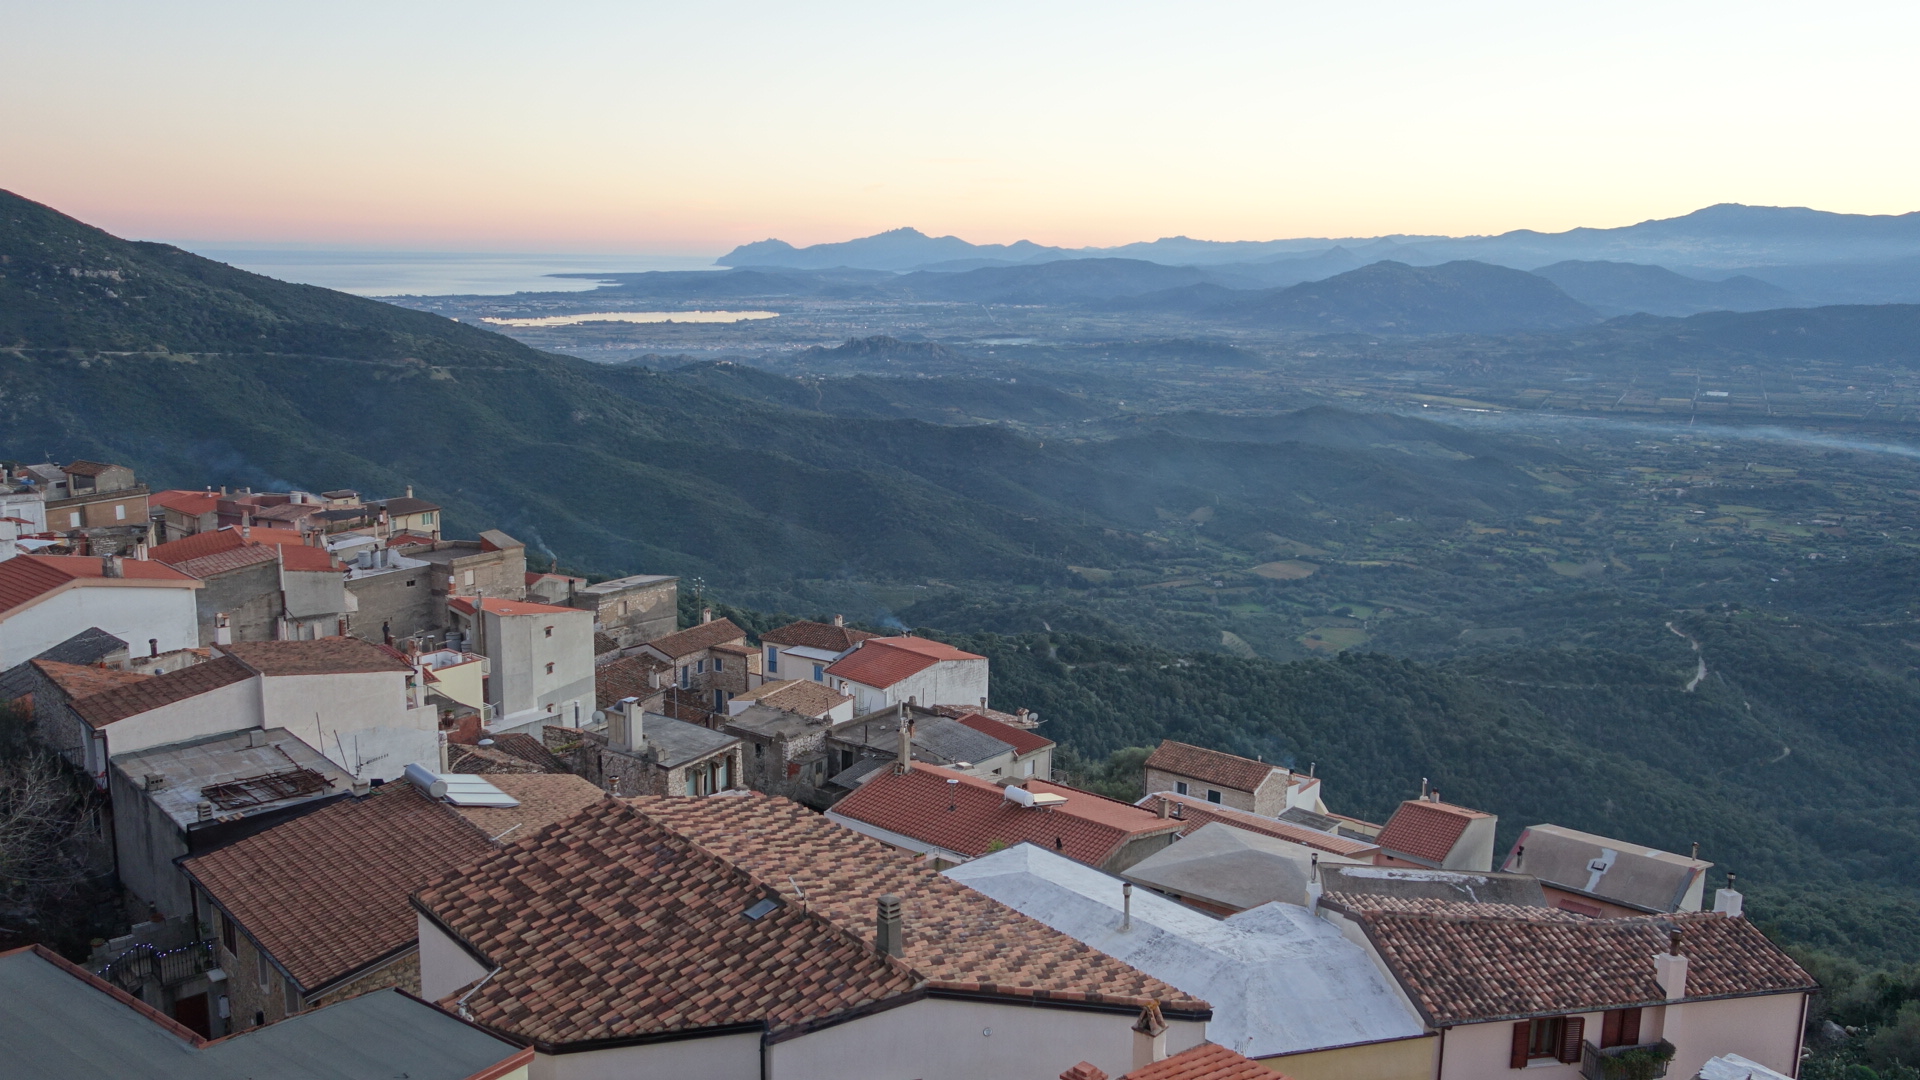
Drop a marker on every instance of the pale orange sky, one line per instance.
(655, 128)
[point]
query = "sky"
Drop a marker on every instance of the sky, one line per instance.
(688, 128)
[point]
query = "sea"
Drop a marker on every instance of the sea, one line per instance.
(370, 272)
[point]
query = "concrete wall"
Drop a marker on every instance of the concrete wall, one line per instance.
(949, 682)
(445, 966)
(402, 599)
(1136, 849)
(523, 692)
(720, 1057)
(1474, 850)
(947, 1039)
(1764, 1029)
(145, 843)
(312, 593)
(234, 707)
(132, 613)
(250, 597)
(642, 613)
(1401, 1059)
(359, 720)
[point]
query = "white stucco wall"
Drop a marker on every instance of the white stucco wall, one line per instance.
(722, 1057)
(234, 707)
(946, 1039)
(1763, 1029)
(949, 682)
(132, 613)
(521, 650)
(361, 720)
(444, 965)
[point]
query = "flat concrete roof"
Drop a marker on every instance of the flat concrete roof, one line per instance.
(676, 742)
(1281, 980)
(634, 581)
(188, 767)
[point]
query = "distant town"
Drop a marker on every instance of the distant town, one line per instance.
(375, 794)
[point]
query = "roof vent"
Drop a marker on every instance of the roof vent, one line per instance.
(887, 927)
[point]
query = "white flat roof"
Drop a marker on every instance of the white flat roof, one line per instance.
(1280, 980)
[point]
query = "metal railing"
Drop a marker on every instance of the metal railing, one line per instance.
(1646, 1061)
(143, 964)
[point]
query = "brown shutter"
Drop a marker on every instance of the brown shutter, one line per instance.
(1521, 1031)
(1629, 1027)
(1571, 1037)
(1610, 1024)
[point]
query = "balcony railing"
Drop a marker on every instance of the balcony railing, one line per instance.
(1647, 1061)
(168, 967)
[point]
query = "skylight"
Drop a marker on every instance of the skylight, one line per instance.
(762, 908)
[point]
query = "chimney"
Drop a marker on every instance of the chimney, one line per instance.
(1670, 968)
(153, 646)
(1728, 902)
(1086, 1070)
(409, 491)
(1166, 808)
(203, 811)
(1423, 789)
(625, 729)
(140, 552)
(110, 566)
(839, 620)
(887, 929)
(905, 760)
(1126, 905)
(1149, 1036)
(256, 737)
(154, 782)
(222, 629)
(706, 615)
(362, 788)
(444, 752)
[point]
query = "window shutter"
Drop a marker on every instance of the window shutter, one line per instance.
(1571, 1037)
(1610, 1025)
(1521, 1032)
(1629, 1027)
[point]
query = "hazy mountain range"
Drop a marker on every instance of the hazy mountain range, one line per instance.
(1806, 256)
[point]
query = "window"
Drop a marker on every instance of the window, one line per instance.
(1212, 795)
(684, 680)
(73, 520)
(1028, 767)
(229, 936)
(719, 662)
(719, 700)
(1180, 787)
(549, 667)
(260, 968)
(119, 511)
(699, 667)
(773, 660)
(549, 631)
(1547, 1038)
(293, 997)
(1620, 1027)
(409, 583)
(819, 673)
(467, 577)
(426, 518)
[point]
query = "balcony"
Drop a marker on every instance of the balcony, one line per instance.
(1647, 1061)
(144, 964)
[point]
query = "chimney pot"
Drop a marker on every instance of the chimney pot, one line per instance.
(1149, 1036)
(409, 491)
(203, 811)
(839, 620)
(153, 646)
(1165, 809)
(222, 629)
(887, 928)
(110, 566)
(1126, 905)
(706, 615)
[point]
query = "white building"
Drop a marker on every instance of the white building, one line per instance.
(541, 658)
(880, 672)
(804, 650)
(46, 599)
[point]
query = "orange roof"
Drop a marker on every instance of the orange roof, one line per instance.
(26, 578)
(220, 562)
(319, 656)
(494, 606)
(816, 635)
(881, 662)
(1022, 740)
(81, 680)
(191, 503)
(1194, 812)
(203, 544)
(695, 638)
(301, 557)
(134, 698)
(1087, 827)
(1210, 766)
(1208, 1061)
(1426, 830)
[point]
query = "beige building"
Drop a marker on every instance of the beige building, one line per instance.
(630, 610)
(1437, 835)
(712, 660)
(1230, 780)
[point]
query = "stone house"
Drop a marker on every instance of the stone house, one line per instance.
(712, 659)
(642, 753)
(1230, 780)
(630, 610)
(804, 650)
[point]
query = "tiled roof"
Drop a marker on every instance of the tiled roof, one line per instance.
(104, 708)
(695, 638)
(79, 681)
(190, 503)
(1023, 740)
(214, 541)
(544, 799)
(1208, 1061)
(220, 562)
(326, 894)
(494, 606)
(86, 468)
(816, 635)
(628, 920)
(803, 696)
(321, 656)
(25, 578)
(301, 557)
(881, 662)
(1472, 968)
(1426, 830)
(1195, 812)
(1086, 828)
(1427, 905)
(528, 749)
(1209, 766)
(624, 678)
(89, 646)
(404, 505)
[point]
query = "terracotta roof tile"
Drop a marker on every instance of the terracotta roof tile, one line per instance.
(1087, 827)
(803, 696)
(881, 662)
(86, 468)
(626, 677)
(492, 605)
(190, 503)
(544, 799)
(1472, 968)
(816, 635)
(214, 541)
(321, 656)
(1023, 740)
(1426, 830)
(1195, 812)
(326, 894)
(109, 706)
(1210, 766)
(83, 680)
(221, 562)
(25, 578)
(301, 557)
(695, 638)
(628, 920)
(1208, 1061)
